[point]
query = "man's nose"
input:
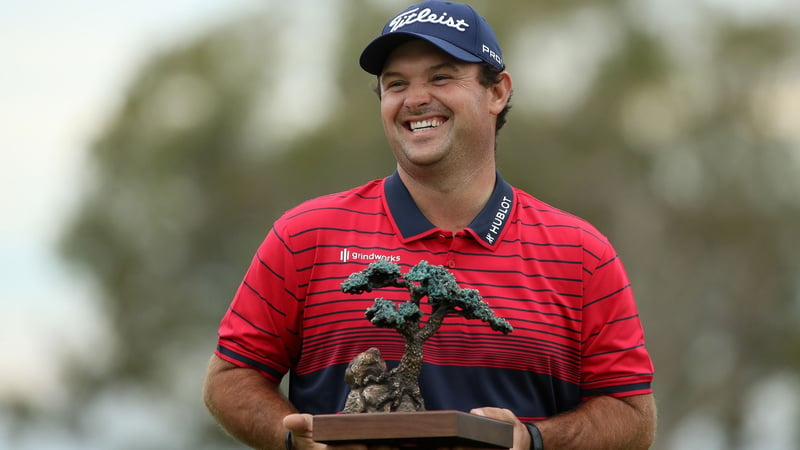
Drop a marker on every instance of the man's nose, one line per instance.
(417, 95)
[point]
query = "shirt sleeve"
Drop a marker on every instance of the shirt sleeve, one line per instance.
(260, 328)
(614, 358)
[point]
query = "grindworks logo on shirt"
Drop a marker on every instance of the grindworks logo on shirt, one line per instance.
(346, 255)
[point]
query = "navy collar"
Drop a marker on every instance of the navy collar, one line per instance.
(487, 226)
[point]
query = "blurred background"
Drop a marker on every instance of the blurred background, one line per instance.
(147, 147)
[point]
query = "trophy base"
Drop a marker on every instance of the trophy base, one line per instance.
(424, 429)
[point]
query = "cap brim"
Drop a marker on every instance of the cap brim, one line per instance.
(375, 54)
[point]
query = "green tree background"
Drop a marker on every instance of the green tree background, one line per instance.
(675, 131)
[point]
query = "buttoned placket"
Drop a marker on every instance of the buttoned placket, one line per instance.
(446, 241)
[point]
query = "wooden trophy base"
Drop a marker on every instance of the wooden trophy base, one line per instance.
(425, 429)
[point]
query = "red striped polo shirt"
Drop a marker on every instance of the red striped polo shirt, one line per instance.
(553, 276)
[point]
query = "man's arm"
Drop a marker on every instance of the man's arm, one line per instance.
(600, 423)
(603, 423)
(247, 405)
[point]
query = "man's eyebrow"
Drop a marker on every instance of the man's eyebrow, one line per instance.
(444, 65)
(437, 67)
(390, 74)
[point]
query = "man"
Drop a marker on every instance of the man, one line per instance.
(574, 374)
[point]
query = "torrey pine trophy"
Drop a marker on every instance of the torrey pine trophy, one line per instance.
(373, 388)
(393, 396)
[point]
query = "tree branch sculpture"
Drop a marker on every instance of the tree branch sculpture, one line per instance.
(373, 388)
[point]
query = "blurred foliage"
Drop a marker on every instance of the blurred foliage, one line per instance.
(676, 160)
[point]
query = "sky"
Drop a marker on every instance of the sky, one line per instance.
(65, 66)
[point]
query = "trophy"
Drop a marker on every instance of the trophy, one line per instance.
(394, 407)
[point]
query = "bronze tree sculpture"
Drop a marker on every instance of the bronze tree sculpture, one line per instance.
(373, 388)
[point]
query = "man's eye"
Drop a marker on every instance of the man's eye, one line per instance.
(394, 84)
(441, 77)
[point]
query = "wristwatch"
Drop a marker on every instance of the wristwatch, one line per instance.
(287, 440)
(536, 437)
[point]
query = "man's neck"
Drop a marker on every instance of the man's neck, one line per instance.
(451, 201)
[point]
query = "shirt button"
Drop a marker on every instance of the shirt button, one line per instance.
(442, 238)
(451, 263)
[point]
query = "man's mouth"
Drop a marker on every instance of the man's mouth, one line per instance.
(419, 125)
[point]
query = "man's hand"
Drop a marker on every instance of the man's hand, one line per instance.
(302, 428)
(522, 440)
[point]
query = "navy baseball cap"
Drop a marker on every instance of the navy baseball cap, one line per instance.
(455, 28)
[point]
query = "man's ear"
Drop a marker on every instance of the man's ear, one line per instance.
(377, 88)
(501, 92)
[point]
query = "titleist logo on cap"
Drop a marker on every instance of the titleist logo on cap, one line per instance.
(411, 16)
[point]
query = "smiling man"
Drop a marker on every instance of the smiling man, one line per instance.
(575, 374)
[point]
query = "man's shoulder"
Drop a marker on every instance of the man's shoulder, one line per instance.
(533, 206)
(362, 199)
(532, 210)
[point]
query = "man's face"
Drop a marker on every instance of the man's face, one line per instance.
(435, 112)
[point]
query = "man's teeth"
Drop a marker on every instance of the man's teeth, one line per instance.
(423, 124)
